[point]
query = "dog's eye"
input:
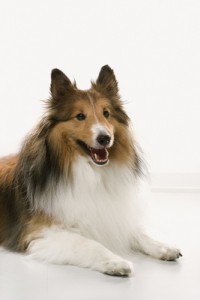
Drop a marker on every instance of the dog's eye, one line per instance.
(81, 117)
(106, 113)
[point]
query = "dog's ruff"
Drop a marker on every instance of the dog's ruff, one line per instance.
(70, 195)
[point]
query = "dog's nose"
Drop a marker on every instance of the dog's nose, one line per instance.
(103, 140)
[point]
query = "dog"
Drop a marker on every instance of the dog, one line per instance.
(69, 195)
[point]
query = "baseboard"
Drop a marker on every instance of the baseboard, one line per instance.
(175, 182)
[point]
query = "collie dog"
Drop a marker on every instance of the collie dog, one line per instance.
(69, 196)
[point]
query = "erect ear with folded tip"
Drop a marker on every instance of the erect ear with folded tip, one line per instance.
(60, 84)
(106, 82)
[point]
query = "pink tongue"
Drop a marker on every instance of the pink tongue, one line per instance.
(99, 155)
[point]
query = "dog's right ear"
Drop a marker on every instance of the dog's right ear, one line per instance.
(106, 82)
(60, 84)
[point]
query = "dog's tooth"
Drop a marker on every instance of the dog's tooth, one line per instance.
(96, 156)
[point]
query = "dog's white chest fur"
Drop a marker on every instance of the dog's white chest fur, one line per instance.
(99, 202)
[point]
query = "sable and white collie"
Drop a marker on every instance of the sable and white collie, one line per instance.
(69, 196)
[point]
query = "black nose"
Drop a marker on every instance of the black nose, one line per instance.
(103, 140)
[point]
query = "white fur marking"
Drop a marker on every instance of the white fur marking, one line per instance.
(100, 202)
(98, 128)
(93, 108)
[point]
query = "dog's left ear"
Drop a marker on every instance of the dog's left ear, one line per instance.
(106, 82)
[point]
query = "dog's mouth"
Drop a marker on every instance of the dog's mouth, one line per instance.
(98, 156)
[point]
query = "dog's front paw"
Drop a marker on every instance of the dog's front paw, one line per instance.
(117, 267)
(169, 254)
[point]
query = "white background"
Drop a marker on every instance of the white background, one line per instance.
(153, 46)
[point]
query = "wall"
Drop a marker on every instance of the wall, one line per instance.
(153, 46)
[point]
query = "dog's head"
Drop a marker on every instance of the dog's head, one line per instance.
(92, 122)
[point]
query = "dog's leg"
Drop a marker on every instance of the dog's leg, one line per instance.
(143, 243)
(60, 246)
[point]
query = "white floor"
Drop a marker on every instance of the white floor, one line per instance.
(175, 218)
